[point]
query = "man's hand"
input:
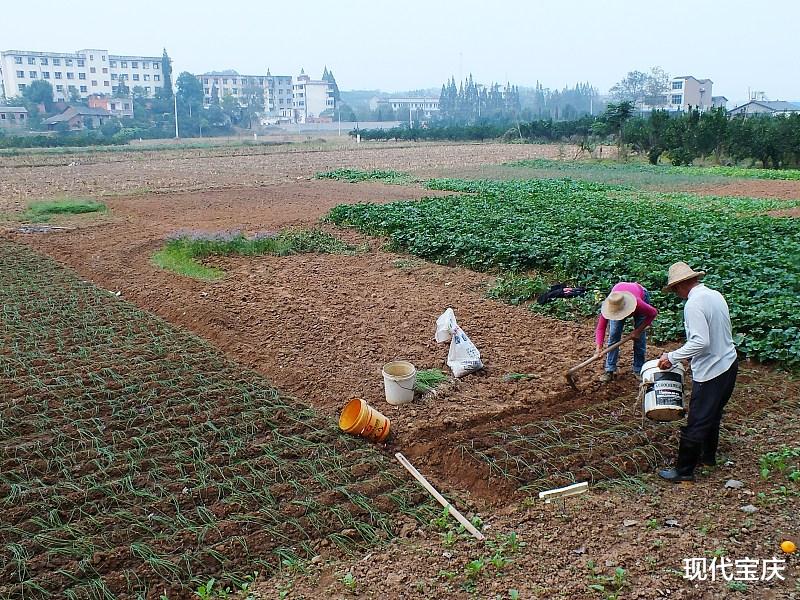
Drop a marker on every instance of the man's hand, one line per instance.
(598, 350)
(664, 362)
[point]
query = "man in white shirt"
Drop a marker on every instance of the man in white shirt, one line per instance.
(709, 347)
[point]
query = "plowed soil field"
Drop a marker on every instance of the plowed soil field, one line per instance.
(319, 328)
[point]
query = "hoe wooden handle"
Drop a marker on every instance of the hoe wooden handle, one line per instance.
(589, 361)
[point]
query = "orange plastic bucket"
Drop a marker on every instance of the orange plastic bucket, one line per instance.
(359, 418)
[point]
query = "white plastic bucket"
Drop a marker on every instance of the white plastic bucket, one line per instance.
(663, 394)
(399, 379)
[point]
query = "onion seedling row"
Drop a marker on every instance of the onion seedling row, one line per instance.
(135, 458)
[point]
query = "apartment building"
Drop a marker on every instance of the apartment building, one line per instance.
(687, 91)
(298, 99)
(311, 98)
(275, 89)
(420, 107)
(85, 72)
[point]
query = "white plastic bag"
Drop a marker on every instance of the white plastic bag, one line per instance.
(463, 357)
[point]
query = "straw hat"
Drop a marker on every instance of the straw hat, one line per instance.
(618, 305)
(678, 272)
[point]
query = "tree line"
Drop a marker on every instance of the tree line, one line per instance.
(684, 137)
(678, 137)
(470, 103)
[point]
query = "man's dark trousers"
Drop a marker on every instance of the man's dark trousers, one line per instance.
(705, 412)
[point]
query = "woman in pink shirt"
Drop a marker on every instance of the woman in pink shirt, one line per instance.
(626, 299)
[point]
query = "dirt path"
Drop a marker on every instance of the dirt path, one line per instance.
(753, 188)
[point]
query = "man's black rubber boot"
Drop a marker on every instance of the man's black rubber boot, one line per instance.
(688, 455)
(708, 457)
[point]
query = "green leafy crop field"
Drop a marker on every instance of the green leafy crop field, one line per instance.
(134, 458)
(356, 176)
(638, 167)
(595, 235)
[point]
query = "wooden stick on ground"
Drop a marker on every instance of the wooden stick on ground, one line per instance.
(459, 517)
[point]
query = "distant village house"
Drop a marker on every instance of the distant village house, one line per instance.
(79, 117)
(117, 106)
(13, 117)
(765, 107)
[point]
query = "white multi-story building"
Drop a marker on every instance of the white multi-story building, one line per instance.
(90, 71)
(421, 106)
(312, 97)
(688, 92)
(276, 90)
(299, 99)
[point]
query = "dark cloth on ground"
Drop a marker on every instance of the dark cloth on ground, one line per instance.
(560, 290)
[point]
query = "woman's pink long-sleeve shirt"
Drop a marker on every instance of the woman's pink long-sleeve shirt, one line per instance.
(642, 309)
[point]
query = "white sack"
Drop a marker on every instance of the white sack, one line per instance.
(464, 357)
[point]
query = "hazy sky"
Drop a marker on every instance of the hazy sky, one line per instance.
(409, 44)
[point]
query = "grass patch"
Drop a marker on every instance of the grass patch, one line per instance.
(43, 211)
(516, 288)
(183, 253)
(179, 259)
(429, 379)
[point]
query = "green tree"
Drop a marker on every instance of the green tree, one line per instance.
(656, 87)
(344, 112)
(712, 132)
(230, 107)
(122, 88)
(631, 88)
(190, 91)
(253, 105)
(190, 104)
(616, 115)
(328, 76)
(647, 135)
(40, 92)
(166, 75)
(680, 138)
(110, 127)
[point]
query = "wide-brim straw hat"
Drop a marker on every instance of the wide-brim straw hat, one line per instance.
(678, 272)
(618, 306)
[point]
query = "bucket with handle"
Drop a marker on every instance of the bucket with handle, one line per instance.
(399, 379)
(663, 391)
(359, 418)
